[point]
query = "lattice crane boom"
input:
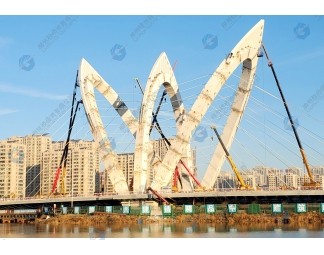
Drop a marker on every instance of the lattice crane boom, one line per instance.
(243, 185)
(312, 182)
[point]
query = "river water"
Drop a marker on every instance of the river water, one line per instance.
(183, 230)
(156, 239)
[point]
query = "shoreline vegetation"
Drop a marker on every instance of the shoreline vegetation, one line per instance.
(231, 219)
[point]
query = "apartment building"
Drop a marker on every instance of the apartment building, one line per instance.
(12, 169)
(36, 146)
(81, 166)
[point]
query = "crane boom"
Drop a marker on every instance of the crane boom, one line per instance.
(243, 185)
(158, 195)
(192, 176)
(63, 161)
(176, 178)
(157, 111)
(302, 152)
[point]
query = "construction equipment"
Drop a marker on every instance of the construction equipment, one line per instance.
(243, 185)
(158, 195)
(176, 177)
(312, 184)
(199, 186)
(63, 161)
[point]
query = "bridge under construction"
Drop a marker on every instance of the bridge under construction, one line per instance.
(174, 181)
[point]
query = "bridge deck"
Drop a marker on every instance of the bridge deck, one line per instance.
(178, 197)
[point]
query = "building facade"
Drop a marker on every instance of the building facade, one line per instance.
(12, 169)
(78, 179)
(36, 145)
(271, 178)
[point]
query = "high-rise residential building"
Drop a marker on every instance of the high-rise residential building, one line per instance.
(225, 180)
(250, 180)
(291, 180)
(318, 170)
(12, 169)
(80, 173)
(36, 145)
(125, 162)
(293, 170)
(262, 173)
(99, 181)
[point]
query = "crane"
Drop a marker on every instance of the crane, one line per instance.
(63, 161)
(158, 195)
(243, 185)
(155, 124)
(176, 177)
(312, 184)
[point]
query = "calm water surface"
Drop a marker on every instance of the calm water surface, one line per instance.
(183, 230)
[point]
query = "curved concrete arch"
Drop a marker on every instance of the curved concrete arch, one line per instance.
(88, 80)
(245, 52)
(160, 75)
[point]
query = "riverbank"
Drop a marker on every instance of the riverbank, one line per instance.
(239, 218)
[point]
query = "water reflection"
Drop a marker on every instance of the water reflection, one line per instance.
(182, 230)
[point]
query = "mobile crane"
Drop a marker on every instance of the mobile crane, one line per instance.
(307, 185)
(243, 185)
(63, 161)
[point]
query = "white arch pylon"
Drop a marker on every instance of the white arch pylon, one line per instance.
(89, 79)
(244, 52)
(160, 75)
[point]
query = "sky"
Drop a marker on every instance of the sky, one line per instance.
(40, 55)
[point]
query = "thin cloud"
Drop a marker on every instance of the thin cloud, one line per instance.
(30, 92)
(6, 111)
(302, 58)
(4, 41)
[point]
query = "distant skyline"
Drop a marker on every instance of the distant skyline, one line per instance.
(39, 57)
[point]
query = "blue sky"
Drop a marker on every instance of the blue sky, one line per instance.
(39, 57)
